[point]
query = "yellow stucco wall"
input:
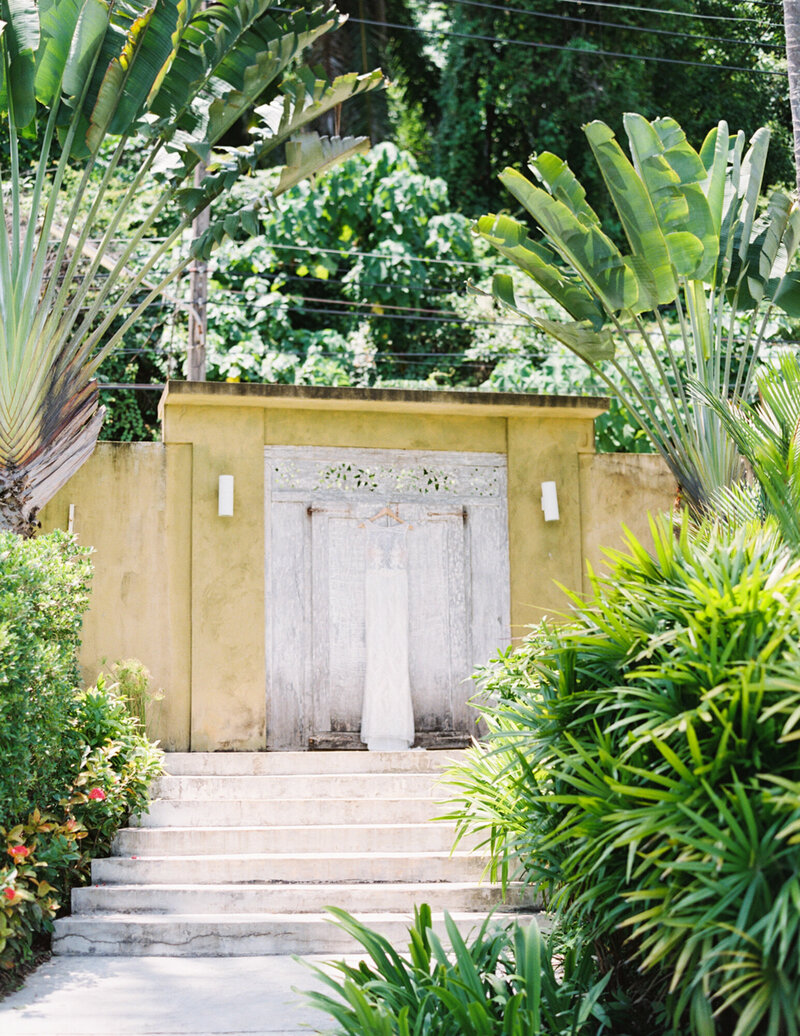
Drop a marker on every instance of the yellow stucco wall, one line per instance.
(620, 491)
(139, 604)
(183, 589)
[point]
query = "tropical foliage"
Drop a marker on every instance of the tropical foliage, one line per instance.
(96, 83)
(642, 772)
(341, 302)
(357, 279)
(497, 980)
(524, 77)
(767, 434)
(698, 247)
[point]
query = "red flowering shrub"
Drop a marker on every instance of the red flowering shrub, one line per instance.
(119, 766)
(34, 887)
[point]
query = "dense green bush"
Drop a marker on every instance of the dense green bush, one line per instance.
(645, 775)
(43, 595)
(497, 981)
(372, 243)
(76, 763)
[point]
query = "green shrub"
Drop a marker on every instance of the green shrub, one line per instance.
(501, 981)
(43, 594)
(645, 774)
(119, 764)
(75, 764)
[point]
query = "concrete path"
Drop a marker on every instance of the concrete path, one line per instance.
(164, 996)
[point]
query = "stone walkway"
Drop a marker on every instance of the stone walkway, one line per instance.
(164, 996)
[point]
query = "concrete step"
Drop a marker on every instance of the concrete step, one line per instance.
(241, 853)
(291, 898)
(324, 867)
(301, 786)
(280, 812)
(259, 763)
(298, 838)
(198, 935)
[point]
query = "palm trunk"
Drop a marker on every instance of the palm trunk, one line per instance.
(17, 514)
(791, 21)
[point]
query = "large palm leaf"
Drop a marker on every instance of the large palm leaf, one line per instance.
(699, 254)
(99, 81)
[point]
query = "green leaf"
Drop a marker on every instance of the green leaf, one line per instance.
(714, 156)
(312, 154)
(673, 174)
(592, 346)
(751, 177)
(772, 250)
(18, 44)
(58, 21)
(130, 79)
(510, 238)
(562, 183)
(86, 42)
(635, 208)
(787, 295)
(593, 255)
(686, 253)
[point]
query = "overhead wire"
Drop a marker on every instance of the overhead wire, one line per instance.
(311, 249)
(586, 52)
(658, 10)
(580, 20)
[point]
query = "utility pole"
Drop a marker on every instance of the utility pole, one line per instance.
(198, 288)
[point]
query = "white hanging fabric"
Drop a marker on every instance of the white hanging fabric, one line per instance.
(387, 718)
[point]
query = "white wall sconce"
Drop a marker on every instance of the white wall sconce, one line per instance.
(225, 496)
(549, 501)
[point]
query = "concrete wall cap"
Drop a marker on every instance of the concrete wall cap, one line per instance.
(313, 397)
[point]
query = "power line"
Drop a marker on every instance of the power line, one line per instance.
(764, 3)
(658, 10)
(586, 52)
(612, 25)
(311, 249)
(344, 252)
(367, 313)
(341, 280)
(372, 304)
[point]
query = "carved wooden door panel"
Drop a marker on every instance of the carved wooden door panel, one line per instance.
(318, 501)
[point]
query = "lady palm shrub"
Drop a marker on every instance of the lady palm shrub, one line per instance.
(643, 771)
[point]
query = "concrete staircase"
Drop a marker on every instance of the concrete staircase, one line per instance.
(241, 853)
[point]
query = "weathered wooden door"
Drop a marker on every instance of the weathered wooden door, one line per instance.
(317, 503)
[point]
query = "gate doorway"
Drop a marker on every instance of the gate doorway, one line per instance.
(318, 501)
